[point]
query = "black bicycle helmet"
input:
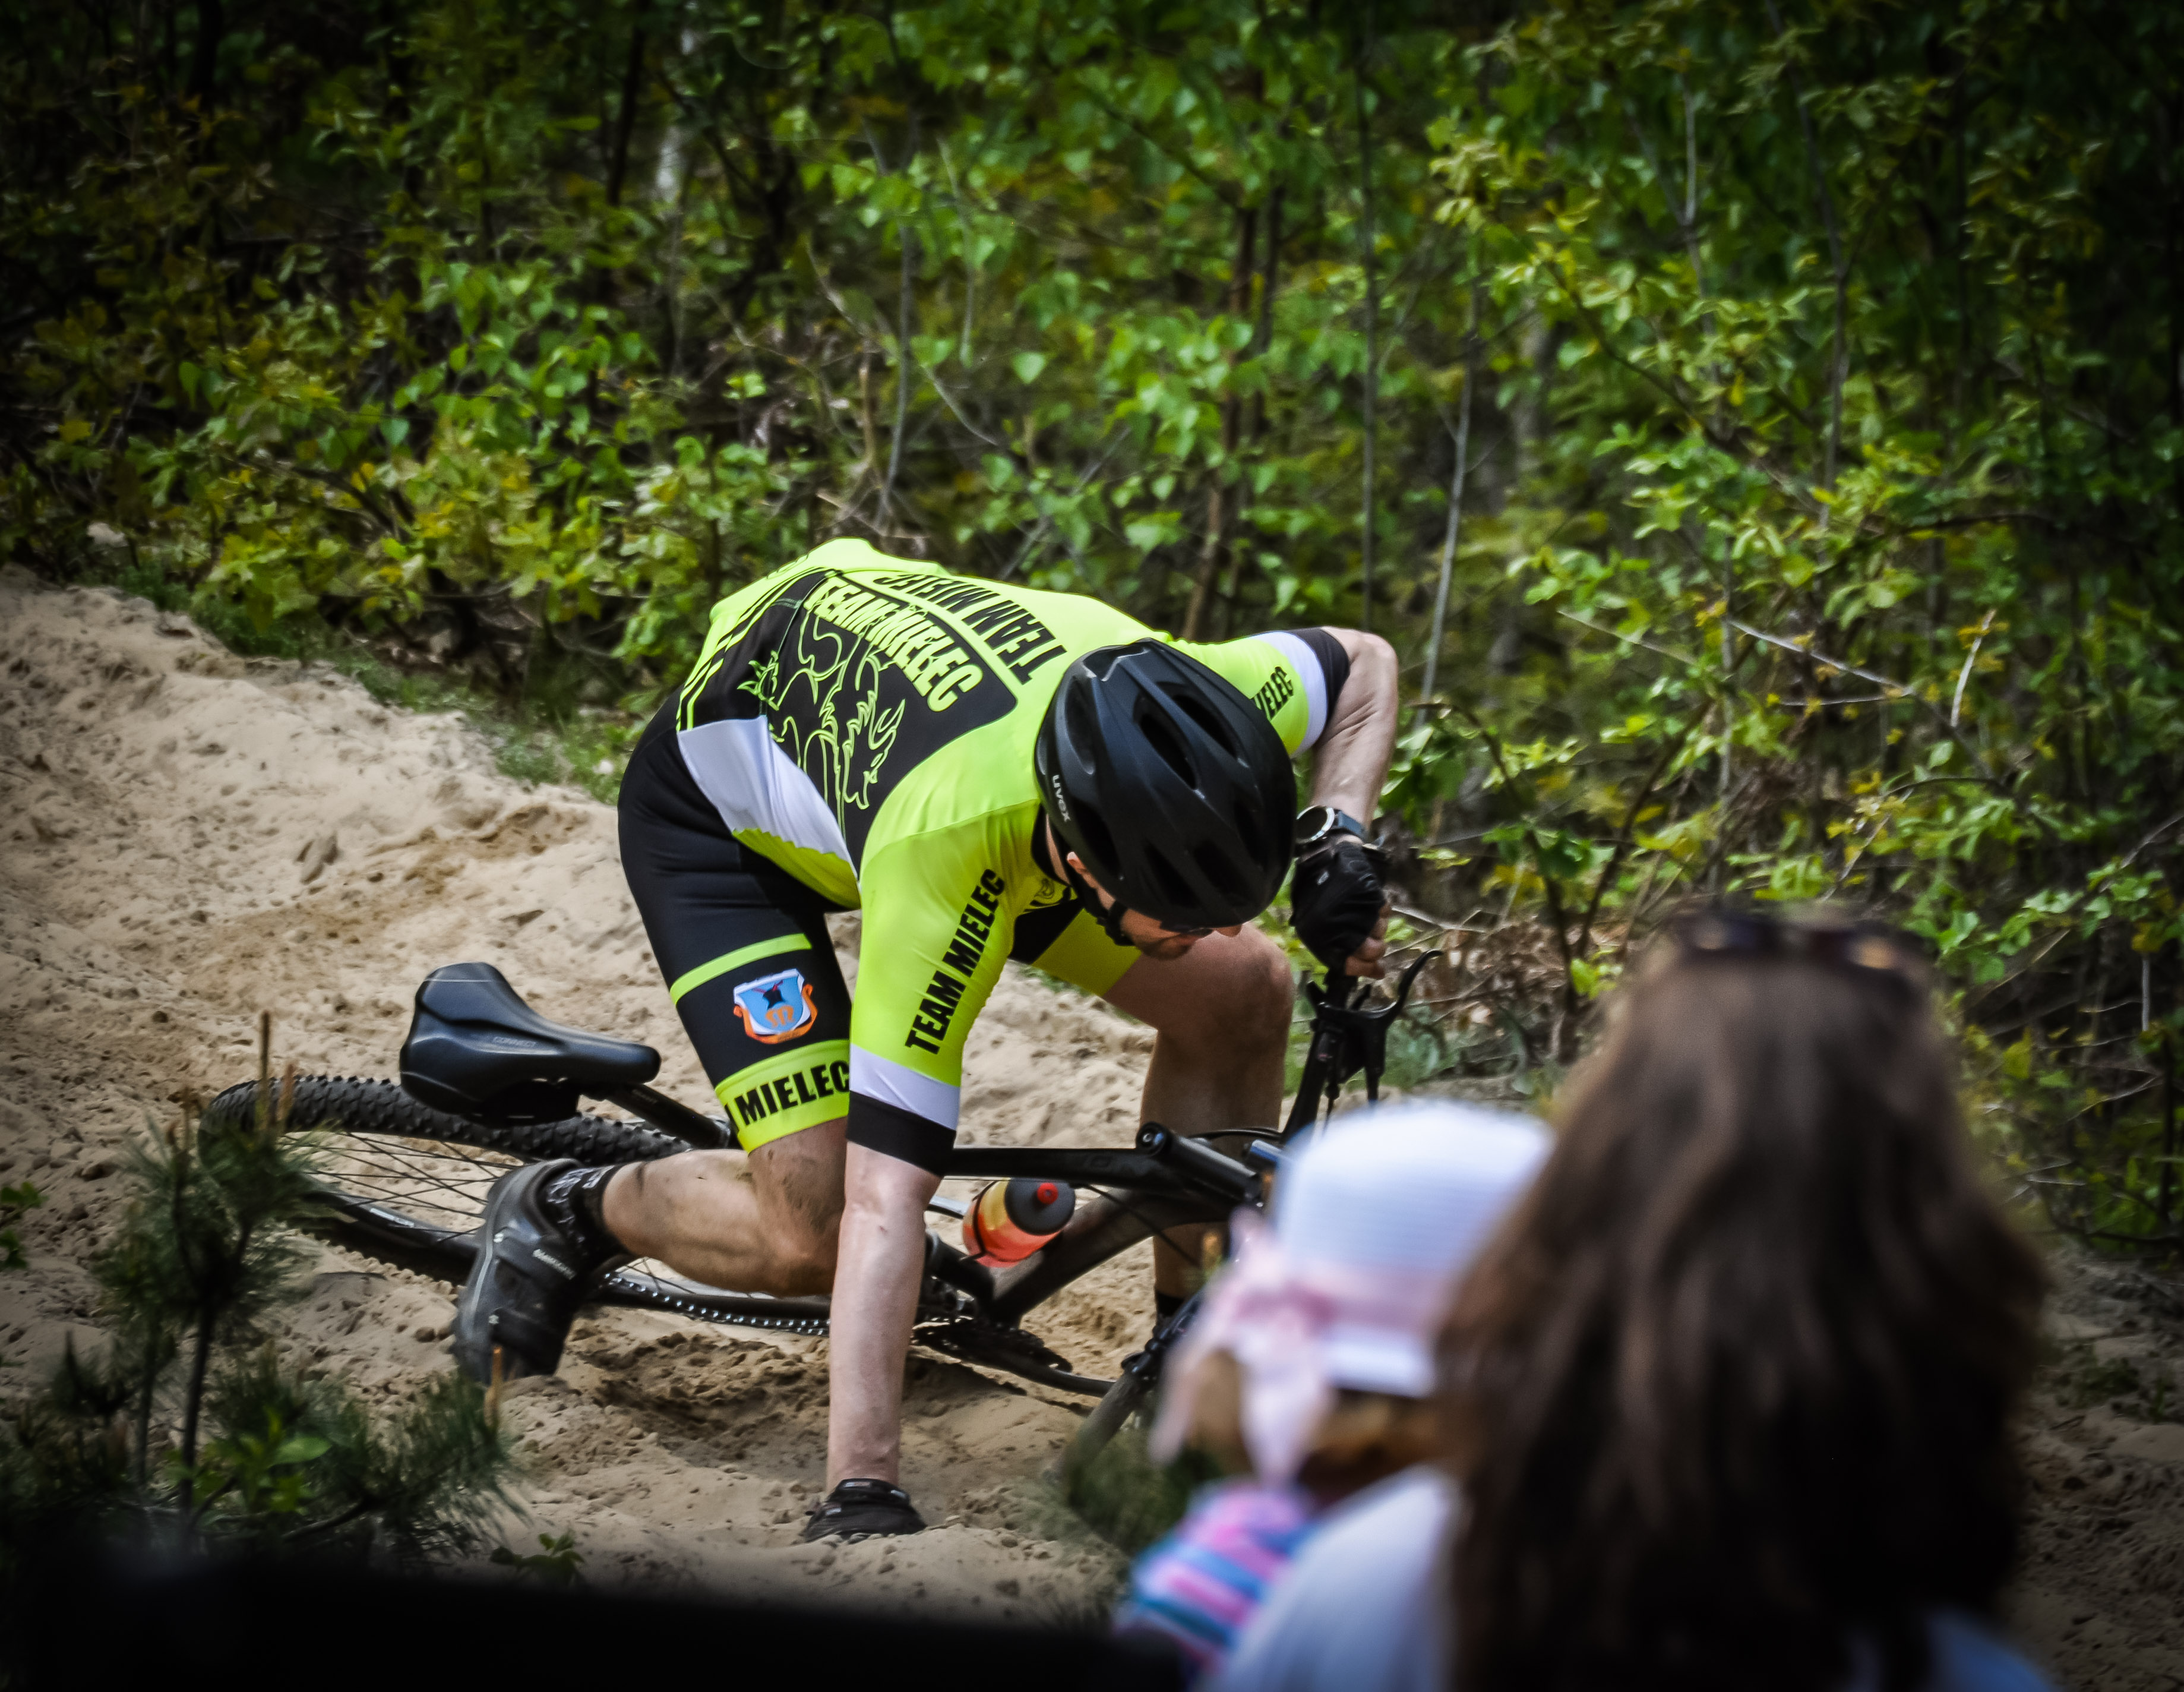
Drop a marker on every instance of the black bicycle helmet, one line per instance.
(1171, 786)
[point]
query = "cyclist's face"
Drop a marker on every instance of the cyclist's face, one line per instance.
(1148, 936)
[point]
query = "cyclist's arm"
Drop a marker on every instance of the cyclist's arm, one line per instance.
(1350, 760)
(1330, 691)
(937, 923)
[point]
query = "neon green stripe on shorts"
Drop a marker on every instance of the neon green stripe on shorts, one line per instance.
(788, 1093)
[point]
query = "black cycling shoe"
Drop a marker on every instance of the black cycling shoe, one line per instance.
(530, 1277)
(861, 1507)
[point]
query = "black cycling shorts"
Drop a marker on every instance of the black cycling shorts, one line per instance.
(744, 946)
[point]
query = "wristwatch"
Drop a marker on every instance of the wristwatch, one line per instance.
(1316, 822)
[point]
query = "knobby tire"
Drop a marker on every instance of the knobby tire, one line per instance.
(403, 1184)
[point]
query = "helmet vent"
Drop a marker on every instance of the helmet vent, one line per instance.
(1167, 746)
(1083, 723)
(1099, 842)
(1247, 831)
(1207, 720)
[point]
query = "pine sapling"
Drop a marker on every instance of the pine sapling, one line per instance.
(210, 1242)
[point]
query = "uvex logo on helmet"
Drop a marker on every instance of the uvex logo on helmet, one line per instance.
(1060, 797)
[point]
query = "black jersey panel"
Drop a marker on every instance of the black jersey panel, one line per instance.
(860, 682)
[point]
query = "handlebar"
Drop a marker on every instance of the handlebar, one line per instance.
(1231, 1180)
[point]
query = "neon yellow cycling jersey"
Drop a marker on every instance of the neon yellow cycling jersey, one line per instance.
(867, 725)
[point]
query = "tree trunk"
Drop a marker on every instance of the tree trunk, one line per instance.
(205, 63)
(633, 76)
(1372, 313)
(1262, 339)
(1195, 619)
(1455, 506)
(193, 1402)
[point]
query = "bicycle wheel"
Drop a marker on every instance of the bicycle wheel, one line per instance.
(405, 1184)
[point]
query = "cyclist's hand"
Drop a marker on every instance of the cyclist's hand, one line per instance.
(1339, 906)
(1366, 960)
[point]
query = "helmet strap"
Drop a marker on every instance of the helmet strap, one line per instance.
(1109, 916)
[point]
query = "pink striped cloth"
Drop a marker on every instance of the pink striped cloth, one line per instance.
(1200, 1585)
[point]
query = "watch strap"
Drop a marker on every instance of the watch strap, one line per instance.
(1327, 820)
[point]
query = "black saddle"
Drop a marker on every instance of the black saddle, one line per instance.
(475, 1049)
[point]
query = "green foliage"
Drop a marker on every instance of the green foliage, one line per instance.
(292, 1465)
(1816, 532)
(556, 1562)
(14, 1202)
(1864, 525)
(1126, 1496)
(302, 1462)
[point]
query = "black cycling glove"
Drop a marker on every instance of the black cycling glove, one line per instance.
(1336, 898)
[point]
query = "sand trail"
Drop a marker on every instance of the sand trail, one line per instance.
(193, 837)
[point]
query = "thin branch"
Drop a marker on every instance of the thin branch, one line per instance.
(1364, 46)
(1685, 214)
(1957, 704)
(907, 238)
(1838, 351)
(1539, 854)
(1455, 503)
(1046, 512)
(1628, 639)
(1935, 711)
(1628, 832)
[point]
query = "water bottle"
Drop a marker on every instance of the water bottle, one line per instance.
(1011, 1219)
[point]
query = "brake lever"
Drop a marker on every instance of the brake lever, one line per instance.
(1357, 1034)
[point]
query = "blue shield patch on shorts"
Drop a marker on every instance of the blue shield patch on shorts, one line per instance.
(778, 1007)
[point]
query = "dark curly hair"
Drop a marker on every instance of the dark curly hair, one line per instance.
(1730, 1393)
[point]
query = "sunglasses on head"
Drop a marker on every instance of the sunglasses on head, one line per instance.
(1821, 939)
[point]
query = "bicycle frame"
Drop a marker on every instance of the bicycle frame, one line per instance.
(1167, 1181)
(971, 1310)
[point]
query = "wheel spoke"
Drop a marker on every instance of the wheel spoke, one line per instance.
(433, 1180)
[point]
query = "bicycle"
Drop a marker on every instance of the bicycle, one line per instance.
(488, 1083)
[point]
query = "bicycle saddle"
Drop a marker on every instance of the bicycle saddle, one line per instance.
(476, 1050)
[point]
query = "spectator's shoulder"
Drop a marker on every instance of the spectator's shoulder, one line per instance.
(1970, 1657)
(1359, 1608)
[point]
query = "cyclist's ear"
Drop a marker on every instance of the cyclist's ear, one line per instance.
(1091, 880)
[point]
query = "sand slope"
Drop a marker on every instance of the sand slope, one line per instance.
(191, 837)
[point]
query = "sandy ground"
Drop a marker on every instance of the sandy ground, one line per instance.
(189, 837)
(2100, 1598)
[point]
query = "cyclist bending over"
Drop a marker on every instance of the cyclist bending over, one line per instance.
(988, 771)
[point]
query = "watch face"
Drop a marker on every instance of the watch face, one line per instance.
(1313, 823)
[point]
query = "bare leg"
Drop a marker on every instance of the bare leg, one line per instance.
(883, 1262)
(1221, 1017)
(765, 1223)
(770, 1223)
